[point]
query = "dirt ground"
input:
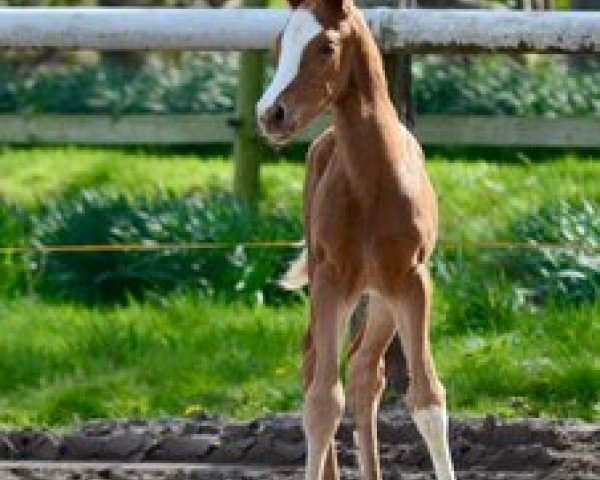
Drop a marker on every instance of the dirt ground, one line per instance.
(273, 448)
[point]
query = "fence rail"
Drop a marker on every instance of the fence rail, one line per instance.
(241, 29)
(219, 128)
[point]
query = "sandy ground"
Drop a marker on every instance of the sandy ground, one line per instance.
(273, 448)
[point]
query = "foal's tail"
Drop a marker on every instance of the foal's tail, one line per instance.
(296, 276)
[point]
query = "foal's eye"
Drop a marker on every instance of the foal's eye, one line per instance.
(327, 48)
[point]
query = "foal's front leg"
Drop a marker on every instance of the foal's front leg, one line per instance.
(324, 397)
(366, 381)
(331, 470)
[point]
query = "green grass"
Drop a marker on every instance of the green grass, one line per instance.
(546, 364)
(31, 175)
(511, 185)
(62, 362)
(479, 198)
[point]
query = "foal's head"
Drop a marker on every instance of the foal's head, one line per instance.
(314, 64)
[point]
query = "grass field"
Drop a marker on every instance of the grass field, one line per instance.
(182, 353)
(469, 186)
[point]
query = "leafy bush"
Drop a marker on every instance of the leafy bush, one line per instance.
(478, 296)
(200, 83)
(12, 225)
(93, 218)
(501, 85)
(206, 82)
(485, 288)
(12, 233)
(568, 275)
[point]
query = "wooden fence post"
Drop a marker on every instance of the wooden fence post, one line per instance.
(579, 62)
(249, 148)
(399, 75)
(536, 4)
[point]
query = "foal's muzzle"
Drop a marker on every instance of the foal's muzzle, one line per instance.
(276, 123)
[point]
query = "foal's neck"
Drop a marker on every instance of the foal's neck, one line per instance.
(367, 89)
(368, 132)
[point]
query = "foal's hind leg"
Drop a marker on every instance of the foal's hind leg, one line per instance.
(366, 381)
(425, 397)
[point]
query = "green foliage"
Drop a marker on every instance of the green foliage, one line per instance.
(489, 288)
(12, 264)
(501, 85)
(480, 298)
(564, 275)
(11, 224)
(204, 83)
(93, 218)
(200, 83)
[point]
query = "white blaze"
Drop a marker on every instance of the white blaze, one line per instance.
(299, 31)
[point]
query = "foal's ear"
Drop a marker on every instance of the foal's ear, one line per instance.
(295, 3)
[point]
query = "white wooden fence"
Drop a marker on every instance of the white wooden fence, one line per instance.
(234, 29)
(238, 29)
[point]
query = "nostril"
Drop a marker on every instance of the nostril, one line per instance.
(278, 113)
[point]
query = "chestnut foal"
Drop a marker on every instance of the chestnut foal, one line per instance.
(370, 220)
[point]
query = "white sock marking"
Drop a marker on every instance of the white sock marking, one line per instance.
(299, 31)
(432, 423)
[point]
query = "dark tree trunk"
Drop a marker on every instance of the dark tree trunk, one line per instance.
(127, 59)
(585, 63)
